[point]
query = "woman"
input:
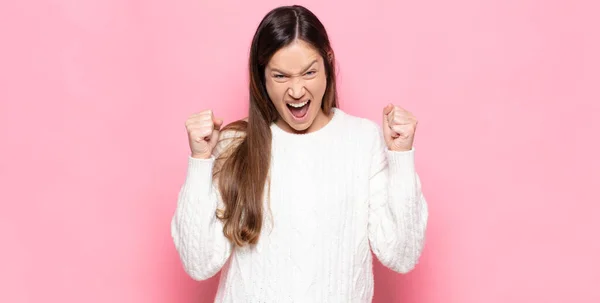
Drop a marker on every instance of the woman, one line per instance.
(291, 201)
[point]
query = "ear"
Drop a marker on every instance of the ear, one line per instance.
(330, 56)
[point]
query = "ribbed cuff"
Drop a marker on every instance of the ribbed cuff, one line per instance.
(402, 163)
(199, 173)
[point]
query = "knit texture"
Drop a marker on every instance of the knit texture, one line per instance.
(336, 195)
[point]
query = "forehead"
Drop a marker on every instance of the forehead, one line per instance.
(294, 57)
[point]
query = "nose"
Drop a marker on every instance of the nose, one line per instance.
(296, 89)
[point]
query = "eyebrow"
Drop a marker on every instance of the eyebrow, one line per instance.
(305, 69)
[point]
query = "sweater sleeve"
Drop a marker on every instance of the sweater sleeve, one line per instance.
(397, 209)
(195, 229)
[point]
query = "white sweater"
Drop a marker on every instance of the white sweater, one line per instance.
(335, 195)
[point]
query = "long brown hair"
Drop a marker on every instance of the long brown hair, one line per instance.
(244, 168)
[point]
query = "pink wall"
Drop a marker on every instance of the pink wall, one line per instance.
(93, 96)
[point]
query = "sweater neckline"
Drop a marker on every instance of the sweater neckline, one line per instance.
(336, 113)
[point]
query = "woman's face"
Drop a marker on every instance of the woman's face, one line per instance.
(295, 80)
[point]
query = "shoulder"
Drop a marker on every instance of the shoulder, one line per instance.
(229, 137)
(360, 126)
(364, 132)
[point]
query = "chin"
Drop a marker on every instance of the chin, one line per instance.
(299, 127)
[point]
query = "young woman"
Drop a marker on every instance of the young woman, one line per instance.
(291, 201)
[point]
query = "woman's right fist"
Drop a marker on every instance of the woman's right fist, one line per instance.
(203, 133)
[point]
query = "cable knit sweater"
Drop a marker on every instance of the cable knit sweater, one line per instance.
(335, 195)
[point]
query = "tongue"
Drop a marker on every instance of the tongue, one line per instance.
(299, 112)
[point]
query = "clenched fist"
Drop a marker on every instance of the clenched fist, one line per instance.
(399, 126)
(203, 133)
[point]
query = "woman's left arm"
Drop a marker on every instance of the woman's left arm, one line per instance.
(398, 210)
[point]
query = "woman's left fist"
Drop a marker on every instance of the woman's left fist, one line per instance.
(399, 128)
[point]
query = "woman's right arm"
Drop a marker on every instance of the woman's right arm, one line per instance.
(196, 231)
(195, 228)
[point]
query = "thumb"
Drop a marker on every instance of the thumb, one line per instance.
(215, 136)
(218, 123)
(386, 110)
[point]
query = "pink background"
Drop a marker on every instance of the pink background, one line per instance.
(94, 95)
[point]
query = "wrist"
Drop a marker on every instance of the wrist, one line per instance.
(201, 156)
(399, 149)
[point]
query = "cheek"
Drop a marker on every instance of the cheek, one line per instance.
(318, 86)
(272, 91)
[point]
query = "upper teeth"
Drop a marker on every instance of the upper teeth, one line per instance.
(298, 104)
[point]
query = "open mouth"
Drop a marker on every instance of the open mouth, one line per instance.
(299, 110)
